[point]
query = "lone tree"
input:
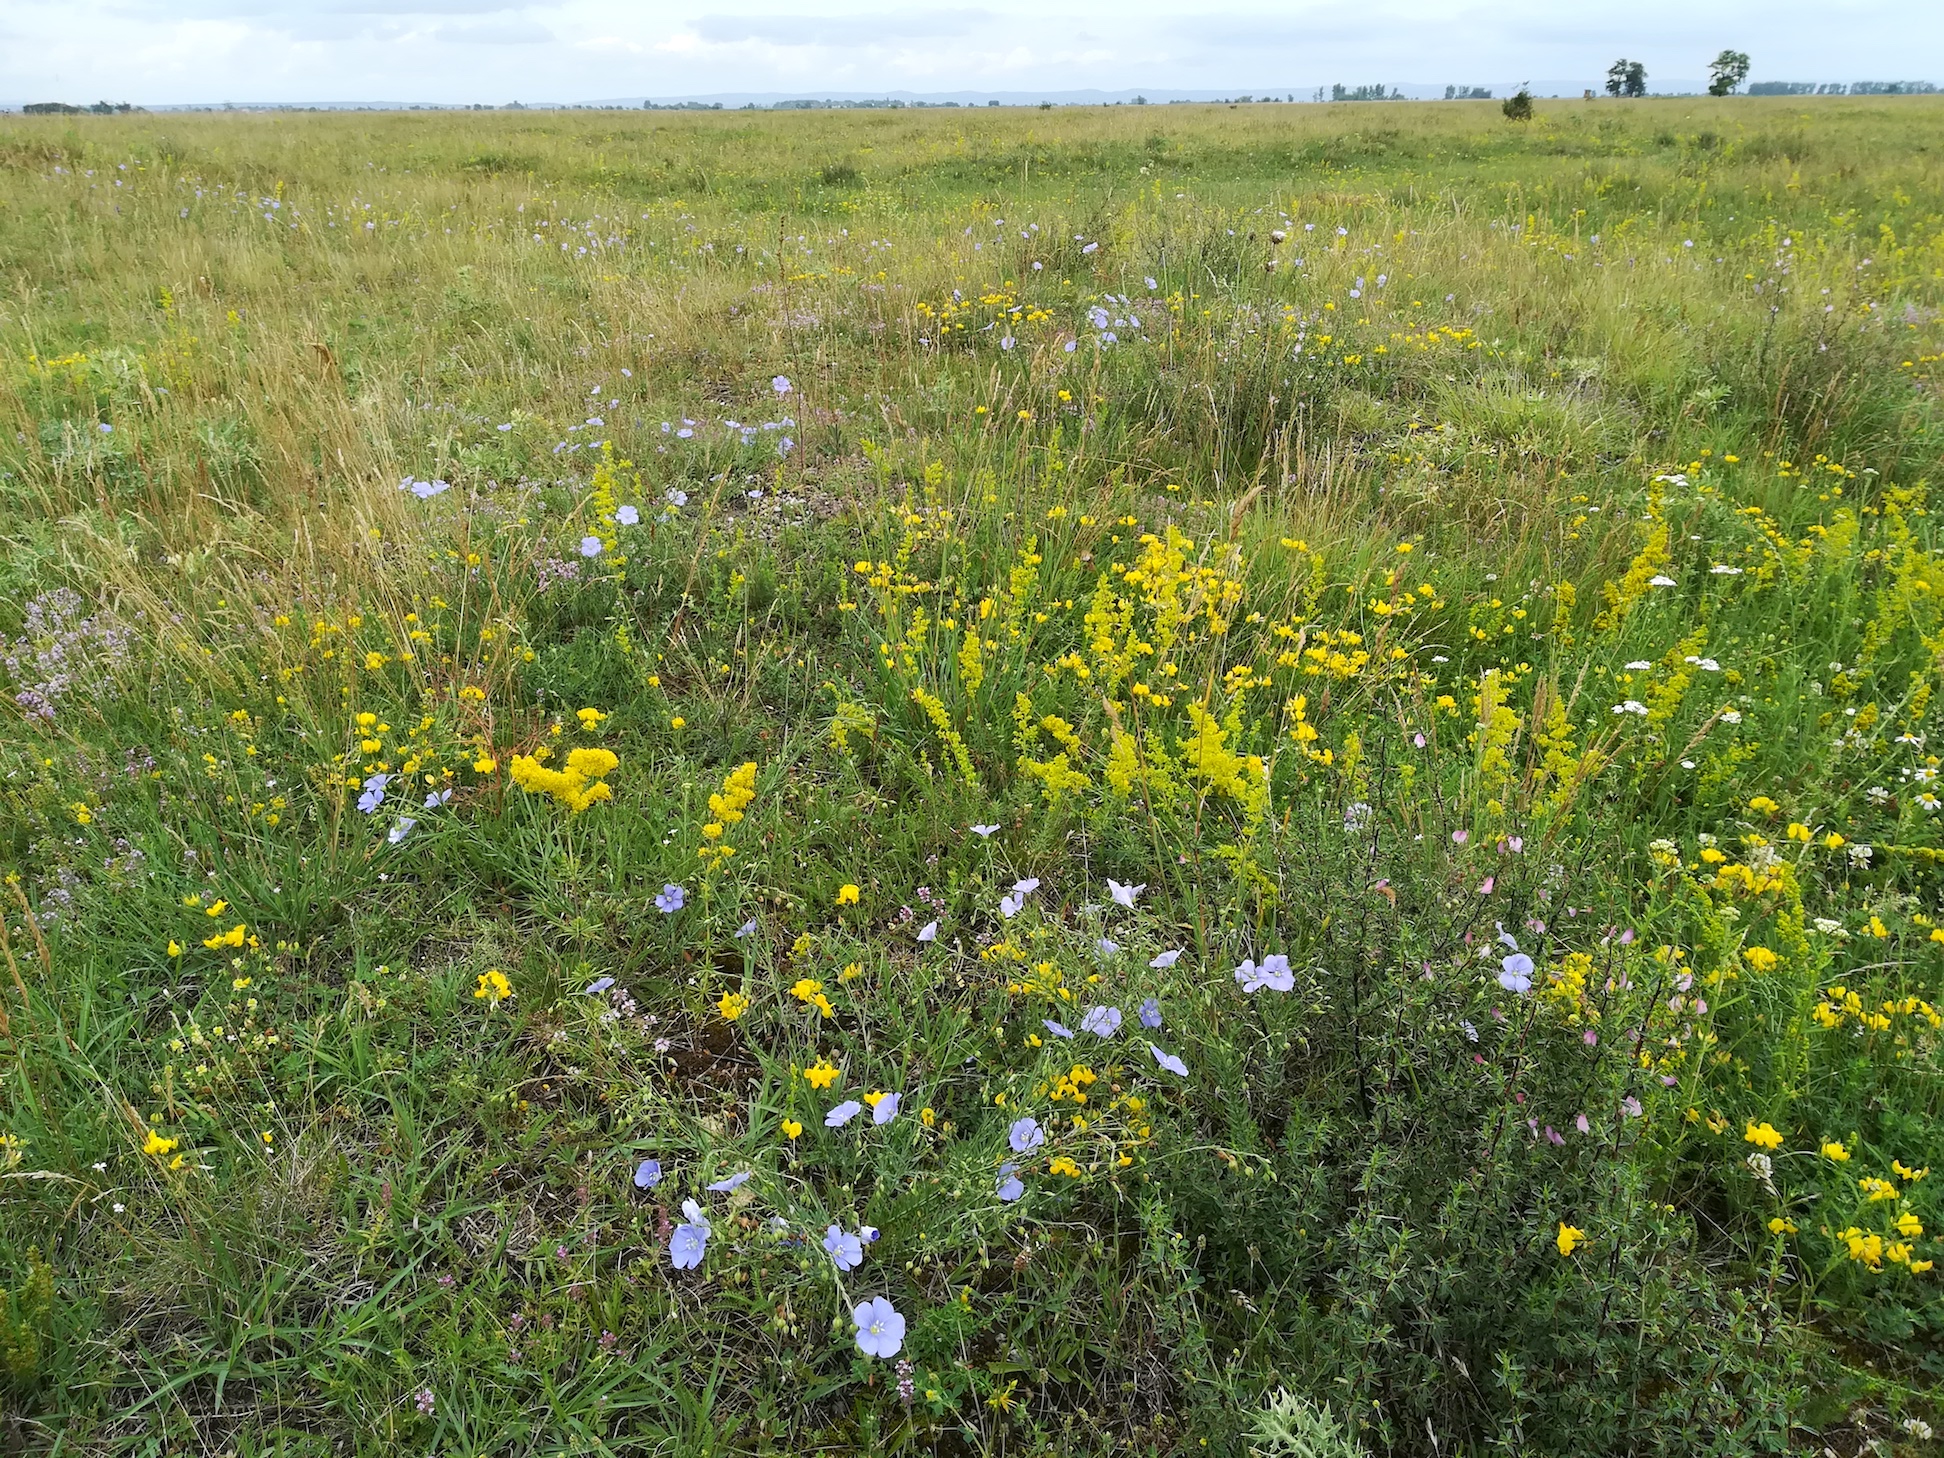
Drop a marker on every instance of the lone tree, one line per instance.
(1518, 107)
(1728, 70)
(1626, 78)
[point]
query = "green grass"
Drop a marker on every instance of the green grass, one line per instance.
(1534, 541)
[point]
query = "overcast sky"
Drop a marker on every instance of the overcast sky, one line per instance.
(163, 51)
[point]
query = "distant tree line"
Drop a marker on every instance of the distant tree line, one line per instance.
(61, 108)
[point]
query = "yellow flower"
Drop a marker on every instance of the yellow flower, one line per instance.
(231, 938)
(589, 718)
(1909, 1174)
(1909, 1224)
(1779, 1226)
(821, 1074)
(1064, 1166)
(1833, 1149)
(485, 764)
(927, 1117)
(1763, 1134)
(874, 1097)
(678, 722)
(851, 973)
(1569, 1239)
(1763, 805)
(733, 1005)
(847, 894)
(806, 989)
(493, 986)
(175, 947)
(1834, 841)
(155, 1144)
(1760, 958)
(791, 1128)
(822, 1005)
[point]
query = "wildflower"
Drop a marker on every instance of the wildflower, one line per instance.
(398, 832)
(1630, 1106)
(1107, 947)
(1515, 972)
(676, 497)
(733, 1005)
(821, 1074)
(791, 1129)
(1274, 973)
(1102, 1022)
(747, 929)
(984, 832)
(437, 799)
(374, 793)
(493, 987)
(1124, 895)
(425, 1401)
(781, 384)
(1151, 1013)
(1010, 1188)
(880, 1330)
(1909, 1225)
(841, 1115)
(671, 898)
(1025, 1135)
(1833, 1150)
(1058, 1030)
(1062, 1165)
(1570, 1237)
(590, 546)
(928, 932)
(1913, 1175)
(731, 1184)
(598, 986)
(156, 1146)
(1168, 1061)
(845, 1250)
(1764, 1134)
(884, 1109)
(648, 1174)
(847, 894)
(175, 947)
(1165, 960)
(690, 1240)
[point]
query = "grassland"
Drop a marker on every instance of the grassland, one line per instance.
(553, 661)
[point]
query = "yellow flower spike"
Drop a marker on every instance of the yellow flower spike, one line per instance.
(1569, 1239)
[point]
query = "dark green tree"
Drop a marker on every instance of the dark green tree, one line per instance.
(1518, 107)
(1626, 78)
(1727, 71)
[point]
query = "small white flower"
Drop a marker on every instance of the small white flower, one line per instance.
(1660, 579)
(1631, 706)
(1639, 665)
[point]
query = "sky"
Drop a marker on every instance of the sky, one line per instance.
(159, 52)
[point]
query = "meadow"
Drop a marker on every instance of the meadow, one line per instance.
(1154, 780)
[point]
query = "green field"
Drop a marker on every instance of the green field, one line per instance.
(1289, 747)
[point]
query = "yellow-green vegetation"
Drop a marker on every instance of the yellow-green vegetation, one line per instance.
(1154, 780)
